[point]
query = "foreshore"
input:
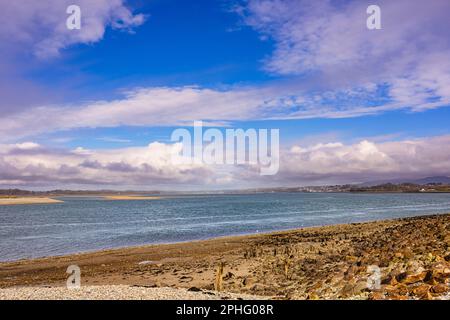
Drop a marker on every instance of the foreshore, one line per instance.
(411, 256)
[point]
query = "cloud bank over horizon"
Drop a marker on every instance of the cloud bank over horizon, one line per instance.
(32, 165)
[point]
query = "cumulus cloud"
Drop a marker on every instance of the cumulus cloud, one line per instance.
(152, 167)
(41, 25)
(366, 161)
(33, 165)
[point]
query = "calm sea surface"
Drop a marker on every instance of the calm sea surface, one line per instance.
(85, 224)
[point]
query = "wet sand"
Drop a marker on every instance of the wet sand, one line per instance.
(331, 262)
(27, 200)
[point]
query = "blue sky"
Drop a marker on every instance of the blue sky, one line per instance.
(309, 68)
(205, 44)
(180, 44)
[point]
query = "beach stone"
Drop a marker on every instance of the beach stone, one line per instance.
(447, 240)
(349, 273)
(399, 255)
(194, 289)
(247, 281)
(422, 291)
(401, 289)
(414, 266)
(348, 290)
(360, 286)
(258, 287)
(351, 259)
(312, 296)
(398, 297)
(390, 280)
(408, 253)
(186, 279)
(377, 296)
(440, 272)
(396, 290)
(407, 278)
(440, 288)
(228, 276)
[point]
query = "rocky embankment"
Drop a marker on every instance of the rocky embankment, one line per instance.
(401, 259)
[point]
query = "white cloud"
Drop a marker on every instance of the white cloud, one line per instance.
(151, 167)
(409, 56)
(312, 35)
(366, 160)
(138, 166)
(41, 24)
(348, 70)
(173, 106)
(150, 106)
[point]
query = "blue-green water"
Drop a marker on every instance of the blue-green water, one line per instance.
(86, 224)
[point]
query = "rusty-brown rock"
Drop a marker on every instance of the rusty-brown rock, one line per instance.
(398, 297)
(440, 288)
(377, 296)
(397, 290)
(347, 290)
(312, 296)
(407, 278)
(422, 291)
(390, 280)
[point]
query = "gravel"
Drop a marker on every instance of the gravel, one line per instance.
(116, 292)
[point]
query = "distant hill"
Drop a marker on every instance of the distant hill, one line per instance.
(423, 181)
(433, 180)
(20, 192)
(427, 184)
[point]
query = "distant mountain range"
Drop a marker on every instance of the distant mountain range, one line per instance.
(423, 181)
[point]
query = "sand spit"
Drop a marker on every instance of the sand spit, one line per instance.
(27, 200)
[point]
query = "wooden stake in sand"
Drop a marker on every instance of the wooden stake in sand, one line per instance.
(219, 277)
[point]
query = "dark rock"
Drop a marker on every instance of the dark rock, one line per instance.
(194, 289)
